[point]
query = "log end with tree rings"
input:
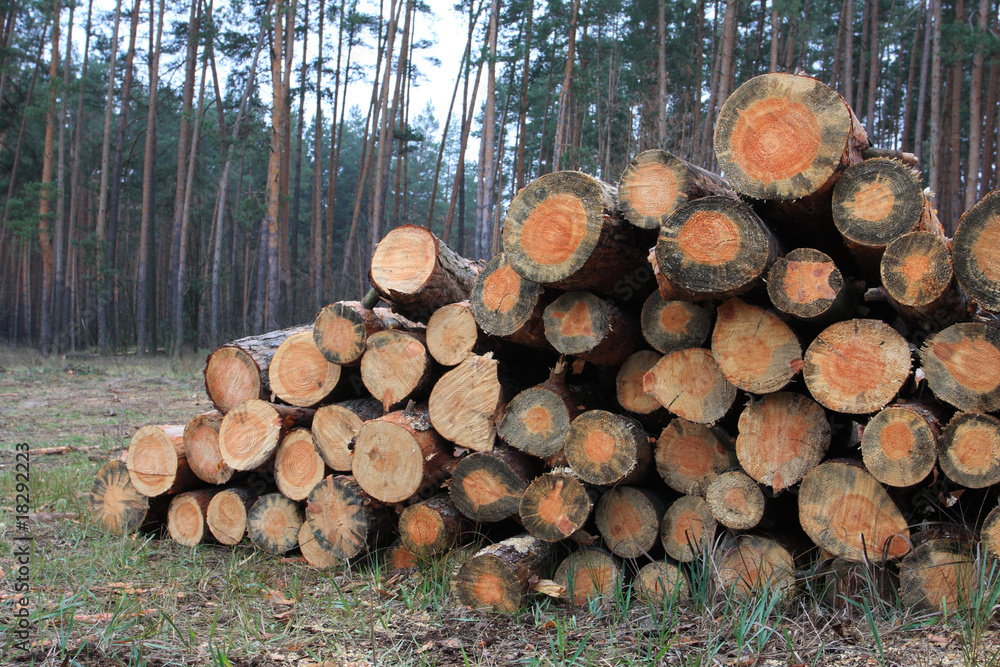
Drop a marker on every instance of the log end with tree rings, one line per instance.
(785, 136)
(227, 514)
(452, 333)
(465, 403)
(589, 575)
(201, 448)
(334, 427)
(317, 554)
(807, 285)
(674, 325)
(299, 373)
(628, 518)
(715, 247)
(186, 517)
(876, 201)
(689, 456)
(395, 366)
(976, 252)
(554, 223)
(404, 261)
(274, 522)
(689, 384)
(536, 421)
(232, 377)
(735, 500)
(969, 450)
(114, 503)
(589, 327)
(156, 459)
(754, 348)
(899, 446)
(433, 525)
(606, 448)
(503, 302)
(757, 564)
(341, 330)
(940, 574)
(962, 366)
(845, 511)
(499, 576)
(781, 438)
(555, 505)
(298, 467)
(659, 582)
(857, 366)
(343, 518)
(487, 486)
(249, 434)
(398, 557)
(916, 269)
(688, 529)
(628, 383)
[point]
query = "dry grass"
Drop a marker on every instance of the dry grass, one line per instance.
(103, 600)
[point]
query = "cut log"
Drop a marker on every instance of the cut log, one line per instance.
(736, 500)
(201, 448)
(962, 366)
(487, 486)
(628, 519)
(917, 274)
(605, 448)
(396, 367)
(317, 554)
(433, 525)
(939, 574)
(756, 565)
(899, 444)
(500, 576)
(417, 273)
(398, 557)
(990, 533)
(536, 420)
(589, 575)
(969, 450)
(186, 516)
(465, 403)
(674, 325)
(345, 519)
(556, 504)
(397, 455)
(976, 252)
(807, 285)
(157, 463)
(856, 366)
(452, 334)
(689, 384)
(509, 306)
(273, 523)
(300, 374)
(781, 438)
(689, 456)
(298, 467)
(251, 432)
(227, 514)
(846, 511)
(715, 247)
(688, 529)
(877, 201)
(786, 137)
(115, 504)
(335, 426)
(590, 328)
(754, 349)
(628, 384)
(563, 230)
(237, 372)
(660, 582)
(656, 183)
(341, 330)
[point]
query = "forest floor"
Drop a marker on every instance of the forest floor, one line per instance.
(98, 599)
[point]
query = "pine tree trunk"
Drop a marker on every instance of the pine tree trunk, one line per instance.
(47, 194)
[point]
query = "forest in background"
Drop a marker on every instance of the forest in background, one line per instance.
(178, 180)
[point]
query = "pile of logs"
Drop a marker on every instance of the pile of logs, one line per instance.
(789, 368)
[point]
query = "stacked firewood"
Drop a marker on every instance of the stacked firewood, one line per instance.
(680, 368)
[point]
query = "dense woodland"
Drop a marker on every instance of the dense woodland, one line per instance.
(175, 179)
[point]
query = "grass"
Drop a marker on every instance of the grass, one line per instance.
(103, 600)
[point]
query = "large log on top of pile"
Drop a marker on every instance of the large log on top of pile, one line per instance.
(563, 230)
(417, 273)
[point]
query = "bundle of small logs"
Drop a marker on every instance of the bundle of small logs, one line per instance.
(790, 368)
